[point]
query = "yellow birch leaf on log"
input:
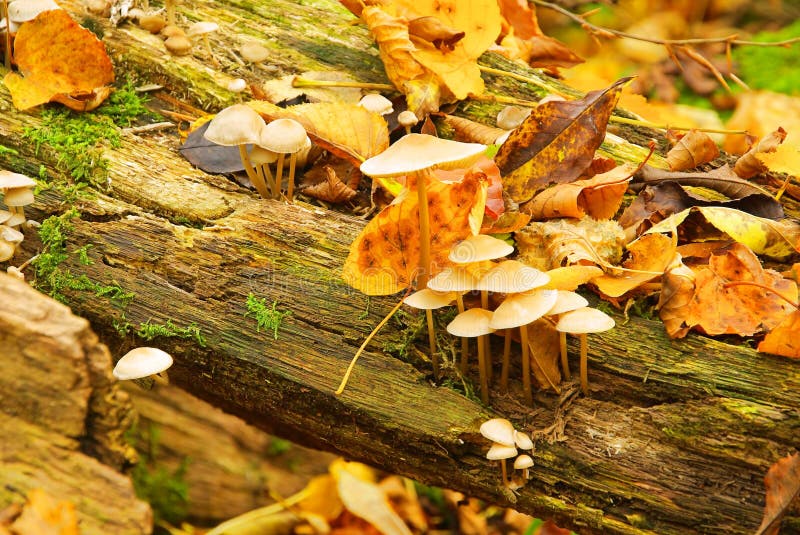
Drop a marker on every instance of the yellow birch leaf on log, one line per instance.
(384, 258)
(783, 339)
(650, 255)
(599, 197)
(784, 159)
(775, 239)
(556, 143)
(394, 43)
(56, 56)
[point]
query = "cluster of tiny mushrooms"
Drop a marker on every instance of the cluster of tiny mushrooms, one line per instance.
(505, 441)
(16, 191)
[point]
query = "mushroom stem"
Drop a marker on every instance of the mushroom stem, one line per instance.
(251, 172)
(266, 175)
(504, 472)
(464, 340)
(485, 339)
(290, 189)
(8, 35)
(170, 6)
(161, 378)
(562, 344)
(207, 45)
(424, 229)
(432, 342)
(526, 365)
(482, 371)
(584, 364)
(279, 173)
(506, 361)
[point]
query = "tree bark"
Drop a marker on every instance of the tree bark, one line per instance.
(676, 435)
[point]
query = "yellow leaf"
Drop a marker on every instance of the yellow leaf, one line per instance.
(785, 159)
(368, 501)
(650, 256)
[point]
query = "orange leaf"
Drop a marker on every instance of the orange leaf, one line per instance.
(556, 142)
(56, 56)
(749, 164)
(384, 258)
(647, 256)
(599, 196)
(43, 514)
(783, 486)
(783, 339)
(693, 149)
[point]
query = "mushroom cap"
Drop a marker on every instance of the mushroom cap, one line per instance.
(8, 25)
(253, 52)
(152, 23)
(567, 301)
(522, 440)
(25, 10)
(407, 118)
(375, 102)
(235, 125)
(5, 215)
(427, 299)
(499, 452)
(585, 320)
(11, 235)
(498, 430)
(259, 155)
(141, 362)
(18, 196)
(285, 136)
(453, 279)
(6, 250)
(14, 220)
(523, 461)
(418, 152)
(471, 323)
(171, 30)
(512, 276)
(9, 179)
(521, 309)
(201, 28)
(479, 248)
(511, 117)
(178, 45)
(237, 85)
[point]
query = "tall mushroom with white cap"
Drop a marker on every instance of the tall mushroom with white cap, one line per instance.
(239, 125)
(203, 29)
(566, 302)
(472, 323)
(285, 136)
(143, 362)
(427, 300)
(459, 280)
(17, 193)
(581, 322)
(377, 103)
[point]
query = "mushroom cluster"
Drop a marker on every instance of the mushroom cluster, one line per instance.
(505, 442)
(240, 125)
(17, 192)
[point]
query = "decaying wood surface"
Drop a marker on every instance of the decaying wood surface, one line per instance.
(62, 414)
(675, 437)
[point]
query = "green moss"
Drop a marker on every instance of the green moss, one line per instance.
(773, 68)
(149, 331)
(278, 446)
(164, 489)
(267, 318)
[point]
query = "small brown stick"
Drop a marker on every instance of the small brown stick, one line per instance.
(763, 287)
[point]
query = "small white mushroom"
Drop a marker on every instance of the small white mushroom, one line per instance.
(523, 462)
(499, 452)
(143, 362)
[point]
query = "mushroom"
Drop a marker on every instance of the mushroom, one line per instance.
(27, 10)
(582, 321)
(429, 300)
(178, 45)
(407, 119)
(511, 117)
(499, 452)
(143, 362)
(261, 158)
(498, 430)
(170, 7)
(285, 136)
(459, 280)
(253, 52)
(471, 323)
(152, 22)
(566, 302)
(18, 193)
(522, 440)
(203, 28)
(239, 125)
(377, 103)
(237, 85)
(523, 462)
(519, 310)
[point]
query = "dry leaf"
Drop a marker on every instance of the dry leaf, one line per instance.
(759, 113)
(347, 130)
(473, 132)
(332, 189)
(677, 290)
(599, 197)
(721, 179)
(281, 89)
(367, 500)
(43, 515)
(555, 143)
(775, 239)
(568, 278)
(384, 258)
(320, 498)
(784, 159)
(783, 339)
(432, 32)
(405, 502)
(544, 353)
(649, 255)
(749, 164)
(783, 486)
(56, 56)
(693, 149)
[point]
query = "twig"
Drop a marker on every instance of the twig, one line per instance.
(148, 128)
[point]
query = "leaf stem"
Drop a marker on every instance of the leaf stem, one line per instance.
(305, 82)
(763, 287)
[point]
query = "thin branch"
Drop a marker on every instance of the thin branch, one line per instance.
(731, 39)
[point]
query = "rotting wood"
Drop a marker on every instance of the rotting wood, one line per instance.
(676, 437)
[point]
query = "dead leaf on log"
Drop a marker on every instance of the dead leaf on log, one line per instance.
(384, 258)
(677, 290)
(42, 514)
(775, 239)
(783, 486)
(332, 190)
(749, 164)
(282, 89)
(599, 197)
(556, 142)
(433, 32)
(208, 156)
(693, 149)
(56, 56)
(545, 354)
(472, 131)
(783, 339)
(721, 179)
(649, 257)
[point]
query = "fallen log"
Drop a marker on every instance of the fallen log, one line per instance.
(675, 437)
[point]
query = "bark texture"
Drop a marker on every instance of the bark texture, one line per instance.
(676, 435)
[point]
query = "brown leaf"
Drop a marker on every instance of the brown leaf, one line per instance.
(43, 515)
(332, 189)
(783, 486)
(544, 353)
(648, 256)
(677, 290)
(556, 143)
(56, 55)
(783, 339)
(693, 149)
(721, 179)
(749, 165)
(550, 528)
(473, 132)
(430, 30)
(599, 197)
